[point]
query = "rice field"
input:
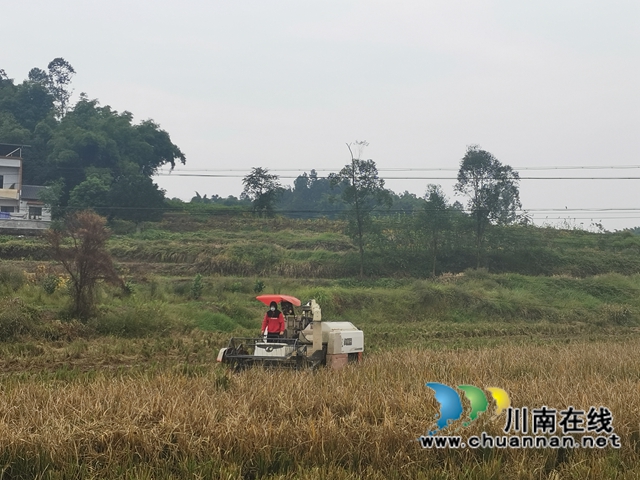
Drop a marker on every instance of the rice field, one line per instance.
(177, 414)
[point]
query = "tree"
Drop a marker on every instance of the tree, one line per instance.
(80, 245)
(136, 198)
(263, 189)
(435, 220)
(22, 107)
(157, 149)
(51, 197)
(491, 189)
(60, 73)
(34, 104)
(311, 197)
(38, 75)
(91, 138)
(57, 81)
(70, 143)
(363, 191)
(93, 192)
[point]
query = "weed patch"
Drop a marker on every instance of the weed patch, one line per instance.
(139, 321)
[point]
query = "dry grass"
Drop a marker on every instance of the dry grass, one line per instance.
(181, 421)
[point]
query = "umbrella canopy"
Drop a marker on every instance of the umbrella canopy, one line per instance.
(267, 299)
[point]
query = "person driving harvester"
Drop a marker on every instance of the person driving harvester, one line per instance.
(273, 322)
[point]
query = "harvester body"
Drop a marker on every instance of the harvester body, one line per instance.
(337, 343)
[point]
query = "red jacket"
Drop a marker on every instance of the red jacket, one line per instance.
(275, 323)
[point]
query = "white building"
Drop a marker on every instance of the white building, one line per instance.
(20, 205)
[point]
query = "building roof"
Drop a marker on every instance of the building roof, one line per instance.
(31, 192)
(10, 150)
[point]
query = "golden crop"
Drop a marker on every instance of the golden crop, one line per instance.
(361, 422)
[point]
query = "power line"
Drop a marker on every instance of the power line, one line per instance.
(237, 209)
(216, 175)
(418, 169)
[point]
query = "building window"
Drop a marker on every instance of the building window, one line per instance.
(8, 209)
(2, 182)
(35, 213)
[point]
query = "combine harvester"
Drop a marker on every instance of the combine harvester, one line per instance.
(337, 344)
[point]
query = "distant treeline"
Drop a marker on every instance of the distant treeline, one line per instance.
(309, 197)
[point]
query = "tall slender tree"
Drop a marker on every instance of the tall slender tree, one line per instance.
(435, 221)
(60, 74)
(363, 191)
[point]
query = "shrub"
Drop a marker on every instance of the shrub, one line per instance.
(16, 319)
(11, 278)
(86, 259)
(50, 283)
(259, 286)
(140, 321)
(129, 287)
(196, 287)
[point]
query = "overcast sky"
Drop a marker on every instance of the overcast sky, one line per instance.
(285, 84)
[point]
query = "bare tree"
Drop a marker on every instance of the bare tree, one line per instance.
(80, 245)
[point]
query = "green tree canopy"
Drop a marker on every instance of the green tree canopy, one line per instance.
(263, 189)
(491, 189)
(70, 144)
(311, 197)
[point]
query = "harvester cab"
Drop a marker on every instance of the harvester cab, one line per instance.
(334, 345)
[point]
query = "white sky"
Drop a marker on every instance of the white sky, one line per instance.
(284, 84)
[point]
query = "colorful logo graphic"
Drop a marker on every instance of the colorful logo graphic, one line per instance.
(534, 428)
(451, 408)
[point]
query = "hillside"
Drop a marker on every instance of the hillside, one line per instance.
(242, 245)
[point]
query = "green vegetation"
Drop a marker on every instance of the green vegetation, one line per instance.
(248, 246)
(392, 312)
(363, 191)
(139, 387)
(262, 188)
(91, 156)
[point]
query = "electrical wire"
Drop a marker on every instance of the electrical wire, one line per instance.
(222, 175)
